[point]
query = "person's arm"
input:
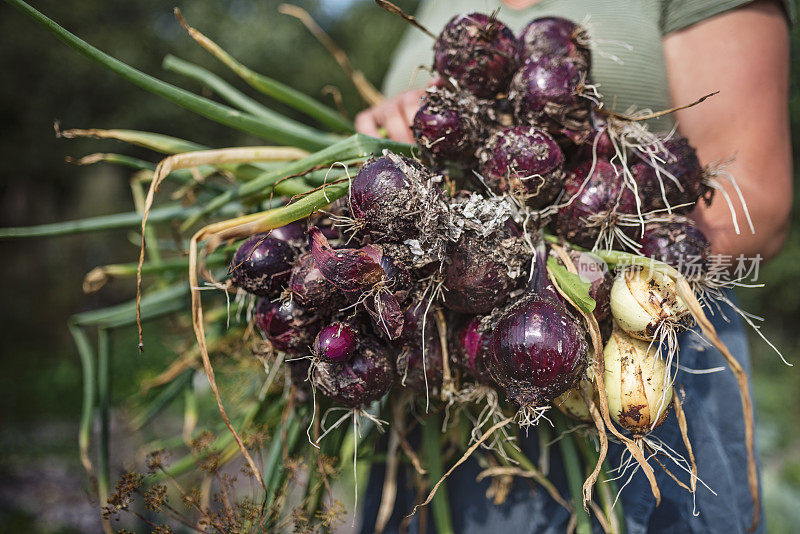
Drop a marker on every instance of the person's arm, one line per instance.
(743, 54)
(395, 114)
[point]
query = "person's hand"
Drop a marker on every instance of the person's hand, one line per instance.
(395, 114)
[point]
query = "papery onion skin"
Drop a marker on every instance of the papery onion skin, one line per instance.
(537, 351)
(638, 396)
(261, 265)
(477, 279)
(365, 378)
(479, 52)
(525, 161)
(642, 299)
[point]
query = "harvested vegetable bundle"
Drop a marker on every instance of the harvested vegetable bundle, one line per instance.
(479, 293)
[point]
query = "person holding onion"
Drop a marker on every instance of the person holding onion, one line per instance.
(650, 55)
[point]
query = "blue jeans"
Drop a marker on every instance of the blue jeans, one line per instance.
(716, 430)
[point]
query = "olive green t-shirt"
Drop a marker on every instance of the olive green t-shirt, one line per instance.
(627, 57)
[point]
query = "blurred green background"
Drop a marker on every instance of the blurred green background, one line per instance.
(41, 481)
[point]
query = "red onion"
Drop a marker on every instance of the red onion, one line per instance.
(289, 327)
(412, 370)
(365, 274)
(336, 343)
(261, 265)
(678, 243)
(524, 161)
(443, 127)
(482, 272)
(594, 202)
(471, 349)
(679, 159)
(366, 377)
(479, 52)
(294, 233)
(309, 286)
(555, 37)
(547, 92)
(537, 348)
(388, 194)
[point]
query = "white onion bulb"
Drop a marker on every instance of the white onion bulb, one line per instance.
(642, 300)
(638, 389)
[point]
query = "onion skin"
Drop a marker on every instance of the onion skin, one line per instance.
(642, 299)
(477, 279)
(347, 268)
(309, 286)
(680, 160)
(678, 243)
(261, 265)
(479, 52)
(289, 327)
(365, 272)
(555, 37)
(471, 350)
(537, 351)
(366, 377)
(598, 275)
(546, 91)
(387, 195)
(602, 195)
(443, 127)
(336, 343)
(524, 161)
(635, 380)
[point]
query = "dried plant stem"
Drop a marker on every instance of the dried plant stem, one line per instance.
(686, 293)
(461, 460)
(194, 159)
(448, 385)
(657, 113)
(368, 92)
(391, 8)
(681, 416)
(599, 372)
(199, 330)
(389, 493)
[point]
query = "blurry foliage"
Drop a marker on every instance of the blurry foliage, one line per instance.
(44, 81)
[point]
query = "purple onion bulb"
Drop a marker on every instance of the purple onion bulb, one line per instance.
(479, 52)
(261, 265)
(336, 343)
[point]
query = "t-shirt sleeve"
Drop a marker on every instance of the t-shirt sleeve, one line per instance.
(679, 14)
